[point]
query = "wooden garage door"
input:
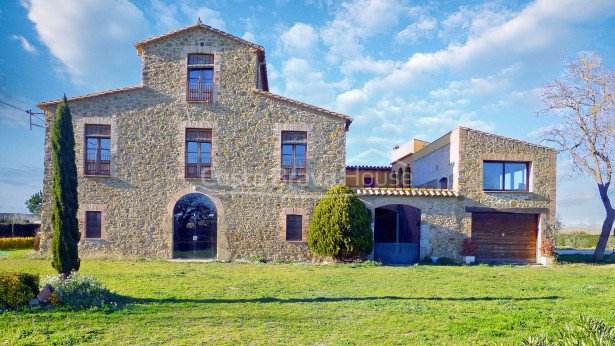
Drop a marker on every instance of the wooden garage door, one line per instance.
(505, 237)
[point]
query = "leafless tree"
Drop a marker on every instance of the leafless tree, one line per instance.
(583, 99)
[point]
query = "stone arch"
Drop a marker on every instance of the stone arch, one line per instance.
(223, 247)
(211, 195)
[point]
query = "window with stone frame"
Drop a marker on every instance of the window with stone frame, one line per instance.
(198, 153)
(294, 227)
(98, 150)
(505, 176)
(294, 151)
(200, 77)
(93, 224)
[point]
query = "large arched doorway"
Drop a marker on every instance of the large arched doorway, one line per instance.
(397, 233)
(195, 227)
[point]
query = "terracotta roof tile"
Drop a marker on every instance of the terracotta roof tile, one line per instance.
(379, 168)
(140, 44)
(304, 105)
(42, 105)
(405, 192)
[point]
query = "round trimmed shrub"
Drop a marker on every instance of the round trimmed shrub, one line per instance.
(341, 226)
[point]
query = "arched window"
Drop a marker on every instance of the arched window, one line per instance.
(407, 177)
(444, 183)
(400, 178)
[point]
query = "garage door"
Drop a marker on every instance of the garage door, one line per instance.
(505, 237)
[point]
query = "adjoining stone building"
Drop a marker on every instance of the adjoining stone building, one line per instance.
(498, 191)
(202, 161)
(202, 121)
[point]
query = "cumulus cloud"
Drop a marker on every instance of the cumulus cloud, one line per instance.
(306, 84)
(356, 21)
(24, 44)
(248, 36)
(417, 30)
(300, 40)
(92, 39)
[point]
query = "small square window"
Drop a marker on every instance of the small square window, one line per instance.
(93, 224)
(294, 228)
(368, 182)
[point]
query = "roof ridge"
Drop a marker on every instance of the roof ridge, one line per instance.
(44, 104)
(506, 138)
(199, 24)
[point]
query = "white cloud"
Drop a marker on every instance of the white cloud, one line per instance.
(304, 83)
(248, 36)
(417, 30)
(92, 39)
(24, 44)
(351, 101)
(208, 16)
(300, 40)
(539, 32)
(356, 21)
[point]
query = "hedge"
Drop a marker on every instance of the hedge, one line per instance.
(20, 230)
(580, 241)
(16, 289)
(16, 243)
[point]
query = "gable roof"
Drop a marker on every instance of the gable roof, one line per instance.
(304, 105)
(44, 105)
(199, 25)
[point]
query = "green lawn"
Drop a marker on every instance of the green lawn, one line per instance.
(238, 303)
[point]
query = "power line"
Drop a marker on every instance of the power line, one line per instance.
(10, 105)
(29, 111)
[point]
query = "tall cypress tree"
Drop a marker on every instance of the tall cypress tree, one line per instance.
(65, 204)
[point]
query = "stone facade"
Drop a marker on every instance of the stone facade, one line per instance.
(147, 177)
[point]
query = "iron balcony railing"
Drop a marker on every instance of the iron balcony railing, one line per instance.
(199, 91)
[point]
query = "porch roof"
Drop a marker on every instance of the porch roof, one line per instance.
(405, 192)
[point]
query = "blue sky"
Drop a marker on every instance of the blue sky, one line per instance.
(402, 69)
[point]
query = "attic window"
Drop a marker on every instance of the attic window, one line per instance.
(200, 77)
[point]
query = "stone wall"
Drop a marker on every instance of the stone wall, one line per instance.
(477, 146)
(149, 148)
(444, 222)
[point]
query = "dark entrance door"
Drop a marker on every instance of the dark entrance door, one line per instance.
(397, 234)
(195, 228)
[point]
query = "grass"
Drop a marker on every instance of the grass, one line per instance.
(278, 303)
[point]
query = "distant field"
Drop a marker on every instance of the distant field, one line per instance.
(581, 241)
(233, 303)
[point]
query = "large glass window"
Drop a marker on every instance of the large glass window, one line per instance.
(98, 149)
(294, 149)
(200, 77)
(505, 176)
(198, 154)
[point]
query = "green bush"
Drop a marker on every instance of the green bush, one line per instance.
(341, 226)
(585, 331)
(579, 241)
(16, 243)
(16, 289)
(81, 292)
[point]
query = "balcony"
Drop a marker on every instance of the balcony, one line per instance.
(199, 91)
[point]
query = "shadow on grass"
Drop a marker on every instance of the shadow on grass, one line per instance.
(128, 300)
(582, 258)
(121, 302)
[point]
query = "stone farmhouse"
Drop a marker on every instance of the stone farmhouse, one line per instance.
(202, 161)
